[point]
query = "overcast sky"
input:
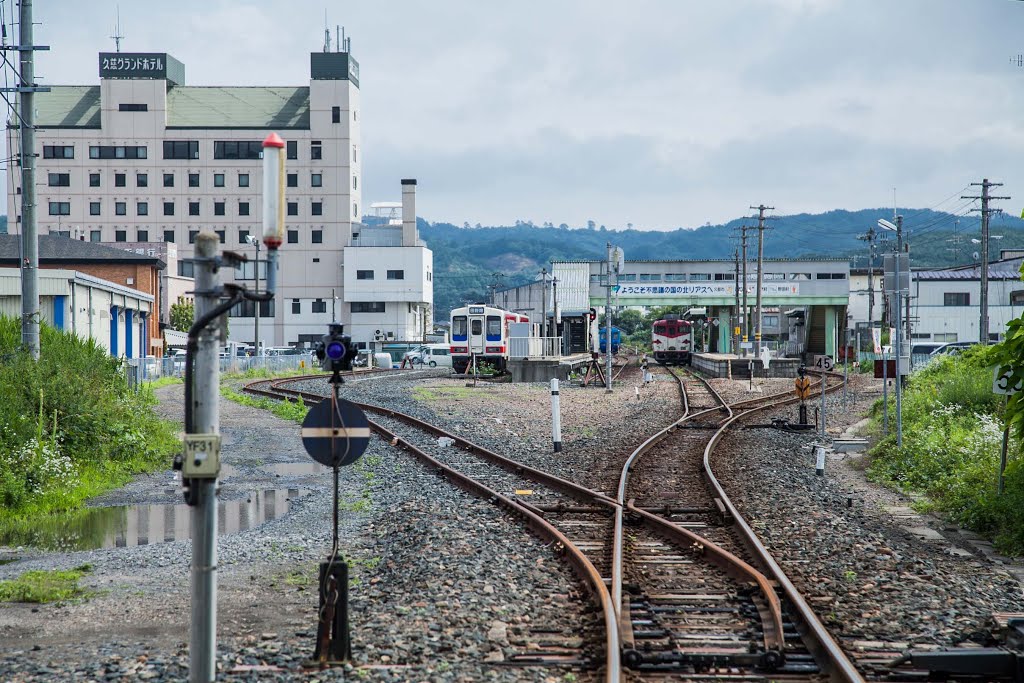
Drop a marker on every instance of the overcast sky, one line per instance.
(660, 113)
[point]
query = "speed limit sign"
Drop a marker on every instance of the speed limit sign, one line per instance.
(824, 363)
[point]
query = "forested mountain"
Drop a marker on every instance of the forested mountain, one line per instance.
(469, 260)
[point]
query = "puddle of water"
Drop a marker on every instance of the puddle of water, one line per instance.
(296, 469)
(132, 525)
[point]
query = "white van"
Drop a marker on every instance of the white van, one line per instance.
(435, 355)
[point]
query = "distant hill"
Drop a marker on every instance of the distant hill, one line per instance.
(468, 260)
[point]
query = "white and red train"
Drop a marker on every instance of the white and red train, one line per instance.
(482, 331)
(672, 340)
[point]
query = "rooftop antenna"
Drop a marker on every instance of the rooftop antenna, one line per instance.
(894, 203)
(117, 31)
(327, 34)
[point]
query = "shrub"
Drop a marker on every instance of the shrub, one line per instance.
(69, 422)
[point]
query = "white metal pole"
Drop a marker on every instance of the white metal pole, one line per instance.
(899, 355)
(203, 634)
(556, 417)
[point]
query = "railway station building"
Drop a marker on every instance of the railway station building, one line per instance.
(142, 157)
(804, 301)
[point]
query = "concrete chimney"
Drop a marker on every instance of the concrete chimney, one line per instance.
(408, 212)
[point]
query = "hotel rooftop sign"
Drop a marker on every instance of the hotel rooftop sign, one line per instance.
(142, 65)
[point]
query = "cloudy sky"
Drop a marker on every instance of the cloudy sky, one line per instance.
(659, 113)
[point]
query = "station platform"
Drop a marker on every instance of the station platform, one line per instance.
(546, 368)
(736, 367)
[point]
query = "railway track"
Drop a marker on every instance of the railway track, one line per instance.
(685, 588)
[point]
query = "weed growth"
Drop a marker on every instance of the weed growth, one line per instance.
(44, 586)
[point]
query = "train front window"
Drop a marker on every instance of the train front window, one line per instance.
(493, 328)
(459, 327)
(659, 329)
(476, 326)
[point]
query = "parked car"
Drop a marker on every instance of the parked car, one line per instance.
(924, 348)
(952, 347)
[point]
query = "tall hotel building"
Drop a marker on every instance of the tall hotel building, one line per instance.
(142, 157)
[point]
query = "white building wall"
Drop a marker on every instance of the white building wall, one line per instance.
(932, 317)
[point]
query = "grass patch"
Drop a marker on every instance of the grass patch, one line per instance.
(952, 434)
(165, 381)
(45, 586)
(286, 410)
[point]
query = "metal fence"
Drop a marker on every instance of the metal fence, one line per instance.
(534, 347)
(138, 370)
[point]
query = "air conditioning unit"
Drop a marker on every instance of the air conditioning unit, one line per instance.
(377, 333)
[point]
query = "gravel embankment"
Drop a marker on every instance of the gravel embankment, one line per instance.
(445, 587)
(848, 544)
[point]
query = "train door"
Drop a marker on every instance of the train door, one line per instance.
(476, 334)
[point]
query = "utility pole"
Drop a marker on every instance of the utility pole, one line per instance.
(608, 323)
(743, 284)
(760, 269)
(985, 213)
(29, 231)
(869, 237)
(736, 323)
(555, 317)
(544, 303)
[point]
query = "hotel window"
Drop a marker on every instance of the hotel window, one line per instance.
(94, 180)
(335, 114)
(142, 236)
(319, 306)
(192, 237)
(120, 235)
(186, 268)
(355, 210)
(243, 236)
(218, 180)
(316, 180)
(58, 152)
(141, 180)
(181, 149)
(293, 237)
(956, 299)
(60, 208)
(117, 152)
(243, 208)
(293, 149)
(364, 274)
(218, 208)
(168, 180)
(193, 180)
(296, 307)
(95, 235)
(94, 208)
(142, 208)
(193, 208)
(221, 236)
(243, 180)
(316, 236)
(168, 235)
(317, 209)
(120, 180)
(120, 208)
(315, 150)
(355, 183)
(293, 180)
(368, 307)
(168, 208)
(59, 179)
(293, 208)
(238, 149)
(399, 275)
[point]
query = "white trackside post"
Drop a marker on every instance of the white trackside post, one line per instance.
(819, 460)
(556, 417)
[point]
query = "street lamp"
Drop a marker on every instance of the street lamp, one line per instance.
(256, 333)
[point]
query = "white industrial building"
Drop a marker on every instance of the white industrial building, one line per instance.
(143, 157)
(946, 303)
